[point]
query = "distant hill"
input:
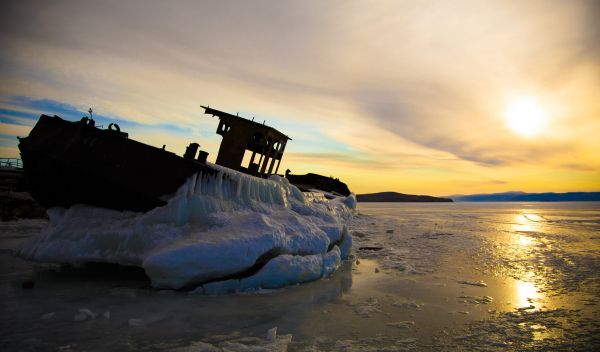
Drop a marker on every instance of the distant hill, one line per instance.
(529, 197)
(397, 197)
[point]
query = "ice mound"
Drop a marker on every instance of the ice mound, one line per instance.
(244, 231)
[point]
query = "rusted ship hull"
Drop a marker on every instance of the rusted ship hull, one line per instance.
(67, 163)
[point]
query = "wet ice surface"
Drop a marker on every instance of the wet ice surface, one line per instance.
(463, 276)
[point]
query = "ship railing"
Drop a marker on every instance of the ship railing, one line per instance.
(12, 163)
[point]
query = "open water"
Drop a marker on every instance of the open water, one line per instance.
(424, 276)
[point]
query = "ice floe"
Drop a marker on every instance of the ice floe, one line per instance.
(473, 283)
(476, 299)
(407, 324)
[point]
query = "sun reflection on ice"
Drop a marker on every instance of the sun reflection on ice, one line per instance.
(526, 222)
(523, 224)
(524, 240)
(524, 227)
(527, 293)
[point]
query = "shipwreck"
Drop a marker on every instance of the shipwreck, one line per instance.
(232, 226)
(69, 163)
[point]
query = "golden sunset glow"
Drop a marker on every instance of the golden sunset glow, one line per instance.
(421, 97)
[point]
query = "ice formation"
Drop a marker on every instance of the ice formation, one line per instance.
(226, 232)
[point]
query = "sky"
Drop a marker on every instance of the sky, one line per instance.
(419, 97)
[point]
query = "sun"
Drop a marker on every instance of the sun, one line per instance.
(526, 116)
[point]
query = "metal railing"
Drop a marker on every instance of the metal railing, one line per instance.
(15, 163)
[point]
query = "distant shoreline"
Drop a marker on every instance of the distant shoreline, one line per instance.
(529, 197)
(526, 201)
(548, 197)
(394, 197)
(492, 201)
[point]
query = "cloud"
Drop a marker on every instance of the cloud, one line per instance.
(578, 167)
(14, 130)
(338, 159)
(392, 85)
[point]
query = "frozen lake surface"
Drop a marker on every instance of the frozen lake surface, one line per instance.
(428, 276)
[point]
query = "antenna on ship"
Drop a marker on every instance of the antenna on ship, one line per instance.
(90, 121)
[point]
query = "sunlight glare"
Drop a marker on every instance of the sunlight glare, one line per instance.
(525, 223)
(526, 117)
(526, 293)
